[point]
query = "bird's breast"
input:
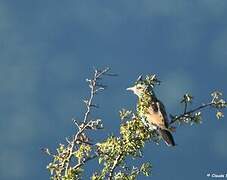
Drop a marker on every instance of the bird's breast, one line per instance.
(147, 124)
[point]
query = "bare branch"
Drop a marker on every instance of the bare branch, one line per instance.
(47, 151)
(185, 107)
(76, 123)
(93, 84)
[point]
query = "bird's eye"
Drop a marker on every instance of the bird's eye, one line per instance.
(139, 87)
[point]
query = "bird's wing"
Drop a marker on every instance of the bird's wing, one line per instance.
(156, 115)
(163, 111)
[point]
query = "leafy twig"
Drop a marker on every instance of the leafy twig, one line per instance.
(115, 164)
(187, 113)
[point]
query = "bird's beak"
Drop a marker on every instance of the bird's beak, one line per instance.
(130, 89)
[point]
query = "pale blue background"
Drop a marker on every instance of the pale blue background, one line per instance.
(48, 48)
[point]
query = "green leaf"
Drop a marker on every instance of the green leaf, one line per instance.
(146, 169)
(197, 117)
(219, 114)
(187, 98)
(100, 160)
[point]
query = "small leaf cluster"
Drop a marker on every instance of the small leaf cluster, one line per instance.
(151, 80)
(114, 150)
(218, 103)
(58, 168)
(132, 174)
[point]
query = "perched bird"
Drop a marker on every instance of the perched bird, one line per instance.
(151, 110)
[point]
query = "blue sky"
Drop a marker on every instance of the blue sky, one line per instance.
(48, 48)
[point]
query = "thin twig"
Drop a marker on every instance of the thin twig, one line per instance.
(185, 106)
(84, 161)
(76, 123)
(116, 162)
(93, 85)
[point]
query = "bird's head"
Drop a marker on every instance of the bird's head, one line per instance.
(140, 87)
(144, 86)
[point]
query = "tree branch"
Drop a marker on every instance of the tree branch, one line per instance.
(84, 161)
(93, 85)
(185, 114)
(116, 162)
(86, 124)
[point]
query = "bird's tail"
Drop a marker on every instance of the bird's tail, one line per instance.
(167, 137)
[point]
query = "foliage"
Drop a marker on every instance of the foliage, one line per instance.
(67, 163)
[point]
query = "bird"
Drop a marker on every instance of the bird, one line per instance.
(151, 110)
